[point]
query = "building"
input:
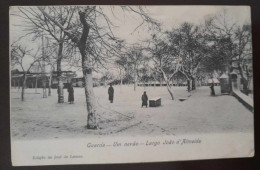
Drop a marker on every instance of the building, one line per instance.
(162, 83)
(79, 82)
(36, 80)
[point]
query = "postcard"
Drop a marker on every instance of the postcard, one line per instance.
(127, 84)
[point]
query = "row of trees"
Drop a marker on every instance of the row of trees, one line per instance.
(192, 51)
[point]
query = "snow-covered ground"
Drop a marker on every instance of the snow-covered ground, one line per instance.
(44, 118)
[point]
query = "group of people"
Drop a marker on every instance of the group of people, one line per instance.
(111, 96)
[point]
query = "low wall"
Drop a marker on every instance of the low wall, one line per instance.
(244, 99)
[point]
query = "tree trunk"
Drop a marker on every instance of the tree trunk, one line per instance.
(90, 100)
(89, 93)
(36, 83)
(169, 89)
(167, 83)
(87, 70)
(87, 74)
(23, 87)
(193, 83)
(135, 81)
(244, 80)
(120, 75)
(154, 81)
(50, 80)
(188, 85)
(245, 85)
(86, 66)
(60, 87)
(128, 76)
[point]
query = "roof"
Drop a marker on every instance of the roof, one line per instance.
(215, 80)
(223, 76)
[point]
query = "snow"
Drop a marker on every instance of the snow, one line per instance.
(155, 98)
(44, 118)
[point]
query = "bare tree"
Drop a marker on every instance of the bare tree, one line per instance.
(107, 77)
(51, 62)
(144, 74)
(166, 60)
(125, 66)
(243, 42)
(194, 50)
(120, 64)
(135, 58)
(219, 32)
(18, 55)
(93, 35)
(37, 25)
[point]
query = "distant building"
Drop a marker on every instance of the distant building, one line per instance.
(35, 80)
(79, 82)
(215, 80)
(66, 78)
(162, 83)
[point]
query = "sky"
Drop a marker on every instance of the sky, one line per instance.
(173, 16)
(168, 16)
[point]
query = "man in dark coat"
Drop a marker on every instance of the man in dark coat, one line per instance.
(212, 88)
(111, 93)
(71, 93)
(144, 99)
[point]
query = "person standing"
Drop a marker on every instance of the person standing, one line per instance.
(111, 93)
(212, 88)
(71, 93)
(144, 99)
